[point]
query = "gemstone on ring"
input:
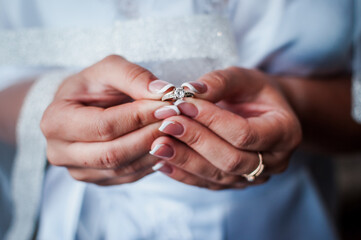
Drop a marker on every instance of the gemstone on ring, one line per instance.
(179, 93)
(176, 94)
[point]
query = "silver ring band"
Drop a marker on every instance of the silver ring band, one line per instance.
(176, 94)
(252, 176)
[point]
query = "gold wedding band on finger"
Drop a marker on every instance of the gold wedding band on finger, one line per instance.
(252, 176)
(176, 94)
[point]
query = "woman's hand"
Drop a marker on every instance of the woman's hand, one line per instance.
(95, 129)
(221, 141)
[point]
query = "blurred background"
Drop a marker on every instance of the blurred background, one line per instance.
(348, 173)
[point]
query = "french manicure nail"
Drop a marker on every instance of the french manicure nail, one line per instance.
(171, 127)
(159, 86)
(196, 87)
(166, 112)
(158, 166)
(163, 167)
(178, 102)
(162, 151)
(187, 108)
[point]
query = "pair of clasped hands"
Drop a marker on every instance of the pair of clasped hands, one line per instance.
(107, 126)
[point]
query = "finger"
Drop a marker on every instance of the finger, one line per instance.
(126, 77)
(187, 178)
(101, 100)
(95, 175)
(180, 155)
(124, 179)
(232, 83)
(74, 122)
(104, 155)
(213, 148)
(275, 162)
(268, 131)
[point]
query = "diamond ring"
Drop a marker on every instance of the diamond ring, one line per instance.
(252, 176)
(176, 94)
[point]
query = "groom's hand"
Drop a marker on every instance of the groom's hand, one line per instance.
(96, 129)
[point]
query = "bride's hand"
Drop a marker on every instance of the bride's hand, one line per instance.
(220, 142)
(95, 129)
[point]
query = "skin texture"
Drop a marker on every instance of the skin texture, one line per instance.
(250, 116)
(102, 123)
(101, 135)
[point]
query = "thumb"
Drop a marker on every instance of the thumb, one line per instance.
(116, 73)
(233, 83)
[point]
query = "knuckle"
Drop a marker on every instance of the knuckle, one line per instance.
(194, 139)
(212, 121)
(136, 71)
(217, 175)
(244, 138)
(181, 159)
(218, 77)
(126, 170)
(233, 164)
(138, 117)
(104, 129)
(109, 160)
(291, 128)
(45, 123)
(106, 64)
(110, 59)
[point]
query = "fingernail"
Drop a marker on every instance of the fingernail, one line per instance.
(162, 151)
(163, 167)
(159, 86)
(196, 87)
(166, 112)
(158, 166)
(187, 108)
(171, 127)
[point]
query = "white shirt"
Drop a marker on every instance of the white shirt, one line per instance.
(280, 36)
